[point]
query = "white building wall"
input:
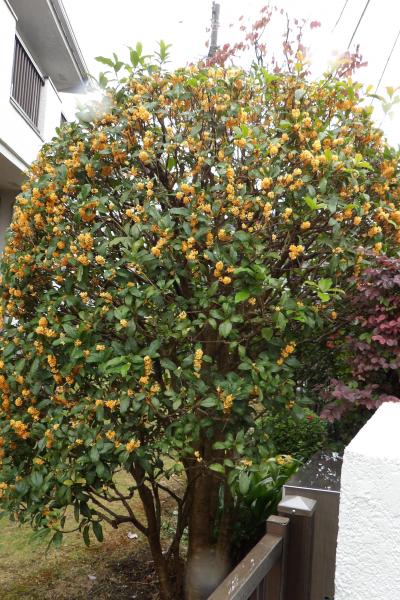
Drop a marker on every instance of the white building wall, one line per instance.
(50, 111)
(368, 552)
(15, 132)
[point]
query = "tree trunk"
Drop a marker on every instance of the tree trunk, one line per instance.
(204, 569)
(167, 588)
(223, 548)
(167, 591)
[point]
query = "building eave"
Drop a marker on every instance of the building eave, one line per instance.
(46, 30)
(65, 24)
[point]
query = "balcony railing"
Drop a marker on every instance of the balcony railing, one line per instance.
(26, 83)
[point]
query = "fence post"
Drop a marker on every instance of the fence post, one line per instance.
(300, 547)
(275, 580)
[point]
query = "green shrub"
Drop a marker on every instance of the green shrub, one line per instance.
(257, 492)
(258, 489)
(298, 437)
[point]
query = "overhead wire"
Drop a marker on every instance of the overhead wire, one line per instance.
(358, 24)
(354, 33)
(387, 61)
(340, 16)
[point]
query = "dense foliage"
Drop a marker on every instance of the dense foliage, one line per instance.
(256, 495)
(368, 355)
(300, 438)
(168, 258)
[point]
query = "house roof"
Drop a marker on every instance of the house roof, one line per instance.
(45, 28)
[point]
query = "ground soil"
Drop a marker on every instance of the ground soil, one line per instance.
(120, 568)
(130, 578)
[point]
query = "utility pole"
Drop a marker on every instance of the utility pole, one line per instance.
(214, 29)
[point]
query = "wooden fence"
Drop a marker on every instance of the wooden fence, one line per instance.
(279, 566)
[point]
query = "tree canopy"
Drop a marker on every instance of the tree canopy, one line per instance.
(169, 257)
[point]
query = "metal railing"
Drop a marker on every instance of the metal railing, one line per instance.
(26, 83)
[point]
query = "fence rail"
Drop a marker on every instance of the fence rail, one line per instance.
(279, 566)
(260, 574)
(26, 83)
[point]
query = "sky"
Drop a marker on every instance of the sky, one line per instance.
(106, 26)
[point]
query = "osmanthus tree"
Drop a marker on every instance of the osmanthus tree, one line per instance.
(166, 260)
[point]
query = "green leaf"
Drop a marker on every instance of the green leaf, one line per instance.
(152, 349)
(94, 455)
(85, 510)
(219, 445)
(311, 202)
(179, 211)
(365, 165)
(71, 331)
(104, 61)
(100, 413)
(85, 191)
(298, 412)
(134, 56)
(323, 297)
(86, 537)
(119, 365)
(332, 204)
(139, 48)
(22, 486)
(103, 81)
(281, 321)
(166, 363)
(57, 538)
(242, 236)
(299, 93)
(196, 129)
(244, 483)
(98, 531)
(225, 328)
(209, 402)
(242, 295)
(37, 479)
(76, 512)
(325, 284)
(217, 468)
(163, 50)
(322, 185)
(79, 273)
(267, 333)
(124, 404)
(100, 469)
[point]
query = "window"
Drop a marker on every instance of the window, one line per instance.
(26, 83)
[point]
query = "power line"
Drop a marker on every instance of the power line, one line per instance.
(358, 24)
(340, 16)
(387, 61)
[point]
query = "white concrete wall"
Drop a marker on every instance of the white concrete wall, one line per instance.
(15, 132)
(368, 552)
